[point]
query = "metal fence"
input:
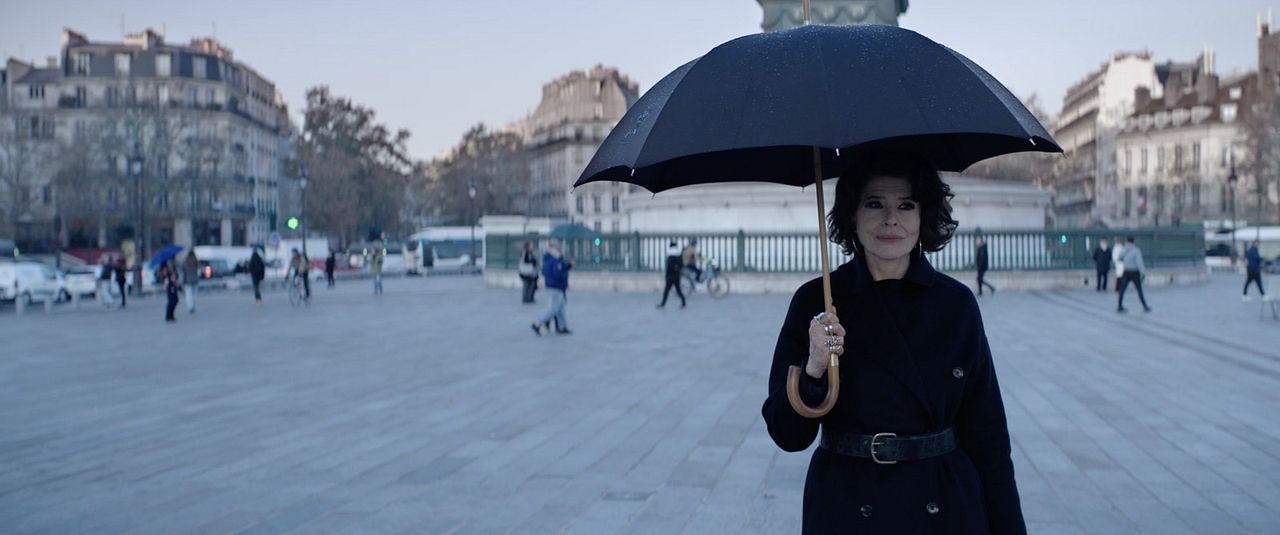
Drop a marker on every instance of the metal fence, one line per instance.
(743, 252)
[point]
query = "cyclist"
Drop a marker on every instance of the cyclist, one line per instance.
(298, 268)
(692, 259)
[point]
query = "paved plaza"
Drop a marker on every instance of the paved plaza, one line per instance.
(434, 409)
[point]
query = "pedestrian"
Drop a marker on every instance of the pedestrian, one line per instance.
(1102, 265)
(172, 286)
(257, 272)
(299, 266)
(528, 271)
(1133, 271)
(1117, 261)
(103, 278)
(1253, 271)
(919, 388)
(555, 274)
(982, 261)
(375, 267)
(692, 259)
(190, 279)
(675, 263)
(121, 267)
(330, 264)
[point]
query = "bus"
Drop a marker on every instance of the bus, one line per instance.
(445, 248)
(1218, 252)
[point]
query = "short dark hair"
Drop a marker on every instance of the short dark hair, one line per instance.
(927, 189)
(1130, 239)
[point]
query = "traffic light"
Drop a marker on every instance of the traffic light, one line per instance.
(292, 223)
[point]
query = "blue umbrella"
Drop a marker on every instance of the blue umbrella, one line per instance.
(798, 106)
(573, 231)
(164, 255)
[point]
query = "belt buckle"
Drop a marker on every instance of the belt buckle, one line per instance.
(874, 440)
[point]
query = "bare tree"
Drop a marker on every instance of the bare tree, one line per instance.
(1262, 143)
(22, 155)
(495, 163)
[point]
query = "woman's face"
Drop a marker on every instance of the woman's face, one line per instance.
(887, 219)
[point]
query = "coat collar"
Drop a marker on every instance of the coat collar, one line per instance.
(853, 277)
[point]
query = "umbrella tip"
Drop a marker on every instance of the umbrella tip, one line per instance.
(633, 171)
(1033, 141)
(837, 152)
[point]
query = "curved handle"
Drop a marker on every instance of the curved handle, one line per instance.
(833, 390)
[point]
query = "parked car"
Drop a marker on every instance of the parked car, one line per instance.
(80, 280)
(29, 281)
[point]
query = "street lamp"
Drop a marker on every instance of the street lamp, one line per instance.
(471, 193)
(302, 183)
(135, 171)
(1231, 182)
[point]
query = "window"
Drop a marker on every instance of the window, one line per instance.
(162, 93)
(596, 226)
(1159, 159)
(82, 96)
(36, 92)
(1142, 164)
(1128, 162)
(46, 128)
(1142, 201)
(1159, 199)
(210, 97)
(1222, 198)
(1228, 113)
(46, 195)
(130, 95)
(1177, 157)
(1195, 155)
(122, 64)
(1195, 197)
(595, 203)
(112, 96)
(581, 204)
(616, 204)
(83, 60)
(163, 63)
(198, 68)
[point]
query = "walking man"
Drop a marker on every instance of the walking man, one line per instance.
(555, 274)
(257, 272)
(120, 278)
(1133, 269)
(692, 259)
(674, 265)
(169, 274)
(330, 264)
(375, 267)
(1253, 271)
(190, 279)
(1117, 261)
(1102, 264)
(981, 260)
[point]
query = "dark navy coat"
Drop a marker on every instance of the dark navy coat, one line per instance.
(916, 362)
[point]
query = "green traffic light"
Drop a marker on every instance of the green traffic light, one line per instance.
(292, 223)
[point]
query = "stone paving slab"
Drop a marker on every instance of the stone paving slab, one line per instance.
(434, 409)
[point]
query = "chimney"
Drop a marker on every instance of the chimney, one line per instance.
(1141, 98)
(1207, 89)
(1173, 88)
(51, 62)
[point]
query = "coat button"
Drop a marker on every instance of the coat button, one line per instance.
(958, 373)
(866, 511)
(932, 508)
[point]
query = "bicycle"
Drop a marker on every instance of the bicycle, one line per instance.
(716, 283)
(298, 292)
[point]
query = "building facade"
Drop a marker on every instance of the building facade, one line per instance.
(1092, 112)
(143, 139)
(1177, 155)
(787, 14)
(577, 111)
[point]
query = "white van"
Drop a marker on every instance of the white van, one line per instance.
(30, 281)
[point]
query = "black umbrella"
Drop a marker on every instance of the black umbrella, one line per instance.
(789, 107)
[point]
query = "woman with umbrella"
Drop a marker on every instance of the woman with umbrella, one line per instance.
(918, 441)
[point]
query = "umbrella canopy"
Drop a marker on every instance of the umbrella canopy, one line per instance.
(164, 255)
(753, 109)
(573, 231)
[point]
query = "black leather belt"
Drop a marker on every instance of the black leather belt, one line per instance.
(889, 448)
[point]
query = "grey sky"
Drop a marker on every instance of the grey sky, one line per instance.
(439, 66)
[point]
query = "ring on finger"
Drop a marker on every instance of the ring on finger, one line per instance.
(831, 343)
(828, 328)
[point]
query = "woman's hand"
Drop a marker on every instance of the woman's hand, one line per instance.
(826, 336)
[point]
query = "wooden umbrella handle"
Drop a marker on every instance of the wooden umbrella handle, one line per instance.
(833, 390)
(833, 365)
